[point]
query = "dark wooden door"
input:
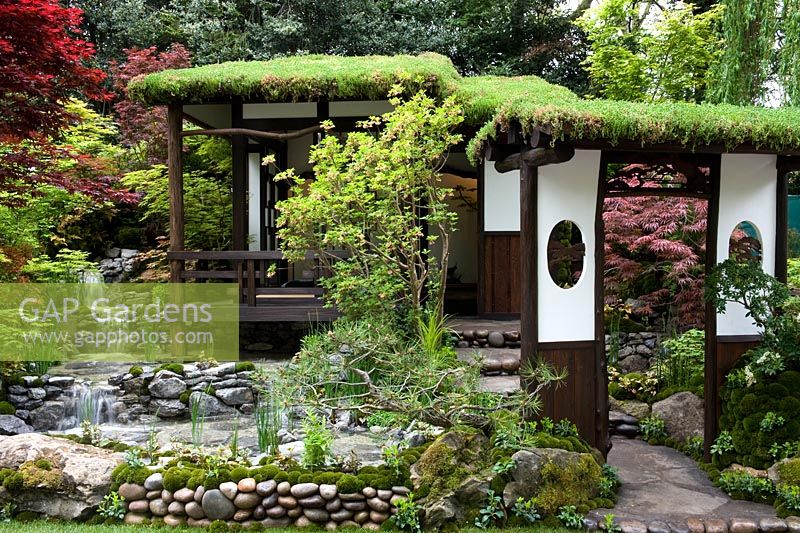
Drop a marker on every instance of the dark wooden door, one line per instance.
(500, 275)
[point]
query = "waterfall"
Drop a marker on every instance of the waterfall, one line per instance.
(88, 402)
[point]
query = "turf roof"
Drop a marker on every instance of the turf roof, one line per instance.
(491, 103)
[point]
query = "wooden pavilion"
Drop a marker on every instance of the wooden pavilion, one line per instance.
(537, 154)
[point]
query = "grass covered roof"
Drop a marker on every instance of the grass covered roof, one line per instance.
(491, 103)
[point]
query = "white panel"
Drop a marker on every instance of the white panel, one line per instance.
(359, 109)
(748, 191)
(254, 200)
(500, 199)
(567, 191)
(216, 115)
(291, 110)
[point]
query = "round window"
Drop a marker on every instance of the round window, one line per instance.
(745, 243)
(565, 253)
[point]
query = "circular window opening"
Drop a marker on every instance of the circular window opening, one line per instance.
(565, 253)
(745, 243)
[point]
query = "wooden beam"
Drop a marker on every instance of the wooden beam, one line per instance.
(239, 170)
(536, 157)
(257, 134)
(175, 180)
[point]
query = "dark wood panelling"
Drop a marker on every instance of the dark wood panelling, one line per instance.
(501, 274)
(577, 398)
(729, 348)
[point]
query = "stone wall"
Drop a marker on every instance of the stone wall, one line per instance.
(635, 350)
(269, 503)
(119, 264)
(42, 403)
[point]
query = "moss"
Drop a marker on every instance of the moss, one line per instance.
(184, 397)
(136, 371)
(218, 526)
(305, 478)
(27, 516)
(281, 476)
(43, 464)
(789, 472)
(348, 484)
(14, 482)
(239, 473)
(175, 478)
(327, 478)
(175, 368)
(7, 409)
(195, 481)
(573, 484)
(35, 477)
(294, 476)
(244, 366)
(450, 459)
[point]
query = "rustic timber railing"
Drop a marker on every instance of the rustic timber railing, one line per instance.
(268, 291)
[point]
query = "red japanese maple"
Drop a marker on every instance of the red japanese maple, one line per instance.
(140, 123)
(41, 65)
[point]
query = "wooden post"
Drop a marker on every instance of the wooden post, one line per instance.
(711, 396)
(175, 166)
(529, 327)
(239, 162)
(782, 226)
(602, 439)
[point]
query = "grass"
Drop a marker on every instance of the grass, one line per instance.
(490, 103)
(42, 526)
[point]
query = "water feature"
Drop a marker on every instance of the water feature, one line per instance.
(88, 401)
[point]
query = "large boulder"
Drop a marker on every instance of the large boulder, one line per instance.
(168, 408)
(167, 385)
(682, 414)
(209, 405)
(527, 480)
(633, 408)
(85, 475)
(48, 416)
(236, 395)
(12, 425)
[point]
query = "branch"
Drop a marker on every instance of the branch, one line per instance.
(254, 133)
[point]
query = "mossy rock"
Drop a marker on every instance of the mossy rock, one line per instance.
(136, 371)
(34, 477)
(450, 460)
(175, 368)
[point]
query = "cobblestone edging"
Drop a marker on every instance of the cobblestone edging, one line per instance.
(791, 524)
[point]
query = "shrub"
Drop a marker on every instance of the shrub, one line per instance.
(740, 485)
(789, 472)
(653, 429)
(6, 408)
(681, 362)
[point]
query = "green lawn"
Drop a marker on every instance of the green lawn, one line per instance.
(74, 527)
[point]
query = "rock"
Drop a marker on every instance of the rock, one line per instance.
(793, 523)
(217, 506)
(159, 507)
(242, 514)
(247, 484)
(154, 482)
(11, 425)
(168, 408)
(378, 518)
(376, 504)
(209, 404)
(166, 384)
(48, 416)
(166, 496)
(355, 506)
(676, 526)
(361, 517)
(774, 471)
(229, 489)
(772, 525)
(247, 500)
(203, 522)
(259, 513)
(198, 494)
(131, 492)
(632, 526)
(303, 521)
(331, 526)
(276, 522)
(184, 495)
(284, 488)
(127, 253)
(352, 497)
(62, 382)
(139, 506)
(304, 490)
(633, 363)
(526, 477)
(312, 502)
(403, 491)
(616, 418)
(317, 515)
(682, 414)
(397, 498)
(627, 430)
(369, 492)
(22, 414)
(276, 512)
(194, 510)
(235, 395)
(174, 521)
(496, 340)
(715, 525)
(341, 515)
(658, 527)
(270, 501)
(695, 525)
(327, 491)
(288, 502)
(743, 525)
(37, 393)
(153, 494)
(384, 494)
(135, 518)
(333, 505)
(634, 408)
(85, 472)
(177, 508)
(265, 488)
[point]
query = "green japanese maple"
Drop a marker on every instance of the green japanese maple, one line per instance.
(373, 194)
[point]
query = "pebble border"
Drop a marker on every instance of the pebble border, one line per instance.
(700, 525)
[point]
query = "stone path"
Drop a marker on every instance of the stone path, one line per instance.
(662, 484)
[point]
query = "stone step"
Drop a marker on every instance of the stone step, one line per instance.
(494, 361)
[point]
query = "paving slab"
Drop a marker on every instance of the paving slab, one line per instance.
(659, 483)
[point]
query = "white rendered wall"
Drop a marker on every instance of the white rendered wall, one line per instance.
(567, 191)
(501, 199)
(254, 200)
(748, 191)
